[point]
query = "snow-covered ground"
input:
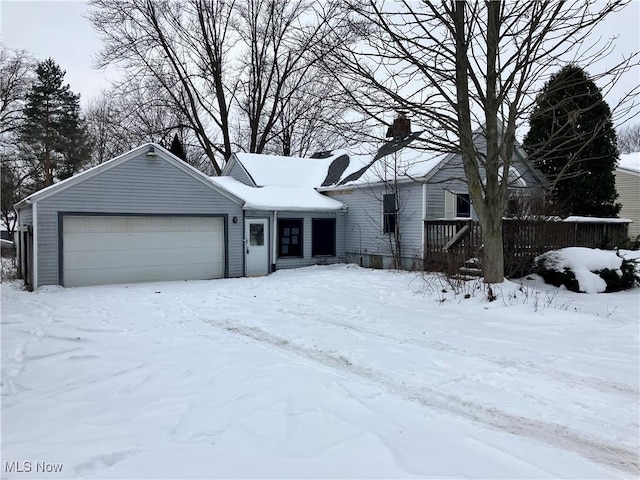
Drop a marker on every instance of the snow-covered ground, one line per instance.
(322, 372)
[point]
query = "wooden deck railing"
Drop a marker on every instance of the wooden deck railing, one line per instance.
(449, 243)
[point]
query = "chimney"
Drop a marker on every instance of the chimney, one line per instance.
(401, 127)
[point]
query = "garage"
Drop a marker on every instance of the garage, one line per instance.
(107, 249)
(144, 216)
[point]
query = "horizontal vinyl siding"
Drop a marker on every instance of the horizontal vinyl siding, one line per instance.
(452, 177)
(240, 174)
(137, 186)
(628, 187)
(26, 215)
(364, 219)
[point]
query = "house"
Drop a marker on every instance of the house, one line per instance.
(628, 187)
(148, 216)
(392, 198)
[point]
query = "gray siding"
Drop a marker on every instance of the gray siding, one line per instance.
(628, 187)
(452, 177)
(364, 220)
(26, 215)
(240, 174)
(137, 186)
(307, 258)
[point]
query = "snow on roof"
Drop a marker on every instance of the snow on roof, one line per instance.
(278, 197)
(274, 170)
(271, 170)
(405, 164)
(630, 161)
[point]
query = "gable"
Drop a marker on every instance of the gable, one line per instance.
(133, 175)
(234, 169)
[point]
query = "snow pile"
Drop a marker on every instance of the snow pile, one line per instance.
(582, 262)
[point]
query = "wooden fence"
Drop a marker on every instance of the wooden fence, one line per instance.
(450, 243)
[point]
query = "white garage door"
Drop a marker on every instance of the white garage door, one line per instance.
(100, 250)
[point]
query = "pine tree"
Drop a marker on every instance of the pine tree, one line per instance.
(53, 140)
(573, 142)
(177, 148)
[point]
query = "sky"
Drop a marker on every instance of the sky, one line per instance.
(59, 30)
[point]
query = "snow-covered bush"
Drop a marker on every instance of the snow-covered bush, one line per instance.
(588, 270)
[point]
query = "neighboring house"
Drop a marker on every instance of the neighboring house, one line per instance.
(148, 216)
(628, 187)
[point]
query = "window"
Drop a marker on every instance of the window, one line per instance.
(389, 213)
(323, 237)
(463, 205)
(256, 235)
(290, 237)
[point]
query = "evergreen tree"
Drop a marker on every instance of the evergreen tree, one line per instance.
(573, 142)
(53, 140)
(177, 148)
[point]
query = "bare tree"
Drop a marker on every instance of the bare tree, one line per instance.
(458, 65)
(232, 70)
(16, 75)
(629, 138)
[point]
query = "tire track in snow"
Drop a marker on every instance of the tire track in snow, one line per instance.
(600, 384)
(553, 434)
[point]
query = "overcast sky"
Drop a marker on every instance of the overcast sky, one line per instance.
(58, 30)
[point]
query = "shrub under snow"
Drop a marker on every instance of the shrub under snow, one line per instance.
(588, 270)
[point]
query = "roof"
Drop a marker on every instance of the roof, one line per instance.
(161, 153)
(630, 161)
(271, 170)
(338, 168)
(278, 197)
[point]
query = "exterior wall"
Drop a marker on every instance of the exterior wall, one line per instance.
(365, 240)
(364, 221)
(137, 186)
(452, 177)
(236, 171)
(26, 215)
(628, 187)
(307, 259)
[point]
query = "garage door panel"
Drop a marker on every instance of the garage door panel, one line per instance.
(74, 242)
(137, 258)
(104, 249)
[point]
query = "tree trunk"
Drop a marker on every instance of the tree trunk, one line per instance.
(492, 256)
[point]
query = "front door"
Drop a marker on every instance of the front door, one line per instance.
(256, 246)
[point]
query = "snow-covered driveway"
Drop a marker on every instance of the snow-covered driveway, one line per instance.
(321, 372)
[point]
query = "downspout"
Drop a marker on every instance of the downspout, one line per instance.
(34, 260)
(424, 216)
(274, 242)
